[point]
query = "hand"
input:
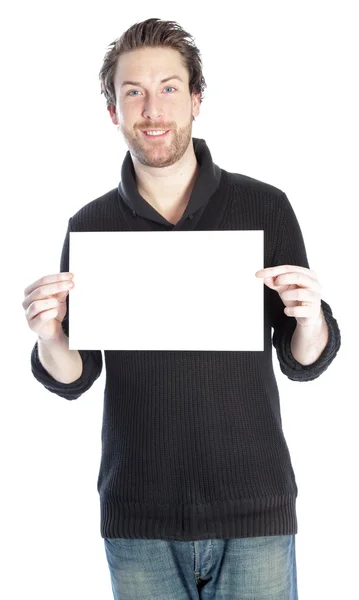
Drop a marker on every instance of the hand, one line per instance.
(299, 290)
(45, 304)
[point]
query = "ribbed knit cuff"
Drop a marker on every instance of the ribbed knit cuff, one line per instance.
(290, 366)
(70, 391)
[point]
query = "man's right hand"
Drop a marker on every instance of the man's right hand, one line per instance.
(45, 304)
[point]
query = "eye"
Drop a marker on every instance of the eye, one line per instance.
(166, 88)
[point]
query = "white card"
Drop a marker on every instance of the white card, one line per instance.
(154, 290)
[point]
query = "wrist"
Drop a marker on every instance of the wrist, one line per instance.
(313, 323)
(50, 342)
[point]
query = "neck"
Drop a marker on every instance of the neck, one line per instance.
(168, 189)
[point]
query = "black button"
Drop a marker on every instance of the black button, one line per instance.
(134, 213)
(190, 217)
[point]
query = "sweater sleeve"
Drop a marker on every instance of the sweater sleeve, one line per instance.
(91, 359)
(290, 250)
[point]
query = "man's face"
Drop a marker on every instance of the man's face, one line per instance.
(154, 105)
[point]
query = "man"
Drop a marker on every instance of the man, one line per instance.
(196, 484)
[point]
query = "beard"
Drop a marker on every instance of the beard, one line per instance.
(159, 154)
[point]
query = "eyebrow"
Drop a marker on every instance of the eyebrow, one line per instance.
(127, 82)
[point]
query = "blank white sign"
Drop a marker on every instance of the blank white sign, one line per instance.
(152, 290)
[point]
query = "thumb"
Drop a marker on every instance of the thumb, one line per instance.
(269, 281)
(61, 296)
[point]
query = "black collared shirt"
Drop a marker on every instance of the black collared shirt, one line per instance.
(192, 442)
(206, 185)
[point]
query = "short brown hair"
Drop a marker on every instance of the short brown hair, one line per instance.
(153, 33)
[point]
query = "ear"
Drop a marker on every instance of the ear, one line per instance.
(196, 104)
(112, 110)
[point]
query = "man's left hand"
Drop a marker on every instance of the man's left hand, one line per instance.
(299, 290)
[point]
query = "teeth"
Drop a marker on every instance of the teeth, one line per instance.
(155, 132)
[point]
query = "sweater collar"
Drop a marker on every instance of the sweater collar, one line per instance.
(205, 186)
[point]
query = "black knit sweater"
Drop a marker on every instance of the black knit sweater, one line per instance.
(192, 442)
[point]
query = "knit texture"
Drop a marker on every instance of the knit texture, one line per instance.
(192, 441)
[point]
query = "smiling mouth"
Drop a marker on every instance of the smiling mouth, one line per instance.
(156, 136)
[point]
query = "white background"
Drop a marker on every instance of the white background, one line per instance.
(280, 106)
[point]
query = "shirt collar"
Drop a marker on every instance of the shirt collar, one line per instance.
(206, 184)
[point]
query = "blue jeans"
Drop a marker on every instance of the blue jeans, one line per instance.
(259, 568)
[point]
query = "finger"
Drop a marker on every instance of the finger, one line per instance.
(281, 269)
(41, 318)
(60, 289)
(299, 311)
(47, 279)
(39, 306)
(300, 279)
(299, 294)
